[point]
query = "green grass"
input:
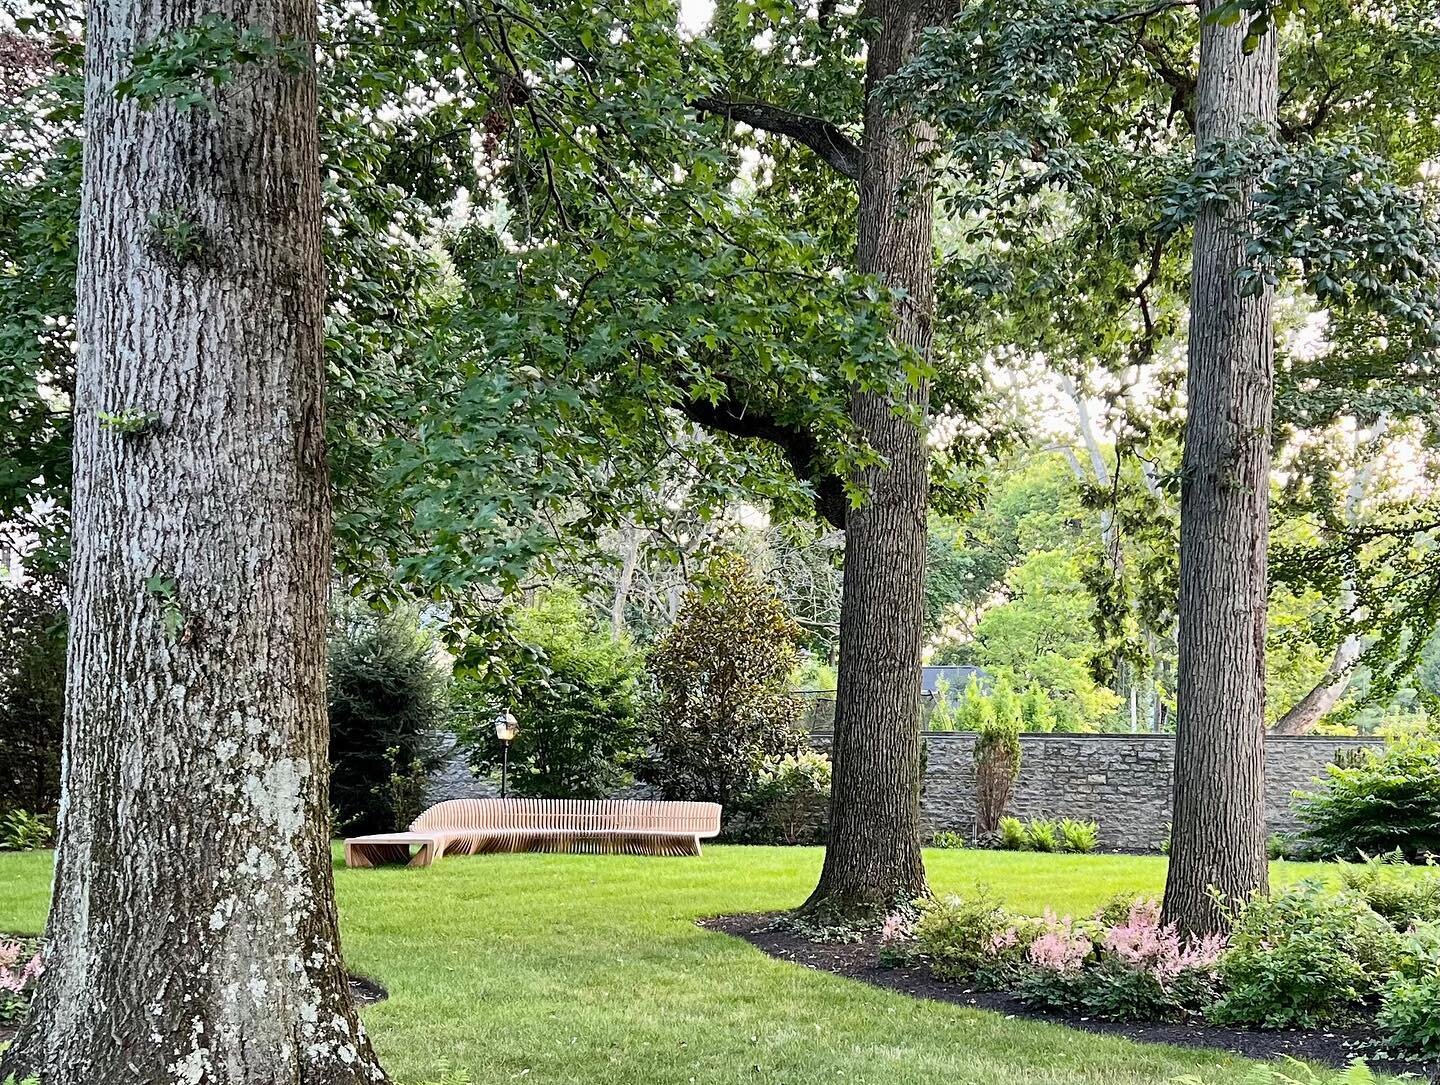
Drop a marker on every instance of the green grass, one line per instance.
(553, 969)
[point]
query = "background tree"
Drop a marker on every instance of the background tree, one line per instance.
(1104, 111)
(578, 710)
(194, 824)
(721, 706)
(556, 375)
(1217, 851)
(32, 696)
(389, 693)
(872, 853)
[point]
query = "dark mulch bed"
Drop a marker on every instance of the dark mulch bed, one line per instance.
(366, 991)
(860, 961)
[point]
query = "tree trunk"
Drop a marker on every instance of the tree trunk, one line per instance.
(1310, 709)
(872, 858)
(629, 557)
(192, 933)
(1218, 837)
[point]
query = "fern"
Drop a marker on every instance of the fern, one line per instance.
(1295, 1072)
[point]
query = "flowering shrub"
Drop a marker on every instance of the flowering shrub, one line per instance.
(897, 927)
(897, 938)
(972, 939)
(1304, 957)
(788, 804)
(1059, 947)
(1149, 972)
(1052, 976)
(20, 967)
(1126, 966)
(1147, 945)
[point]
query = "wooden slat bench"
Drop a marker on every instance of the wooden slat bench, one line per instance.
(383, 848)
(591, 826)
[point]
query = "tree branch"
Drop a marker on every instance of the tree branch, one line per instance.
(821, 136)
(1180, 81)
(798, 446)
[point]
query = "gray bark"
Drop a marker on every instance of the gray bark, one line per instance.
(629, 557)
(192, 935)
(1218, 841)
(872, 857)
(1310, 709)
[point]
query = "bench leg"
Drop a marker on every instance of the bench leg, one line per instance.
(370, 855)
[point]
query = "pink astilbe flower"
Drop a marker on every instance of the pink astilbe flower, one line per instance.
(896, 928)
(13, 978)
(1147, 945)
(1059, 947)
(1001, 941)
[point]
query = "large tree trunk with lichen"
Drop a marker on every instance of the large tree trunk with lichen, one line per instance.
(192, 933)
(872, 857)
(1218, 844)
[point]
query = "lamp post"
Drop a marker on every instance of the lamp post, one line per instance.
(505, 732)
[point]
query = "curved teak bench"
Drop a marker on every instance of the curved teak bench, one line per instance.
(592, 826)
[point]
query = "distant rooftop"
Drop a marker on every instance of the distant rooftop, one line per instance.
(956, 678)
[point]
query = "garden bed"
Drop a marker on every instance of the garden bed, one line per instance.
(861, 961)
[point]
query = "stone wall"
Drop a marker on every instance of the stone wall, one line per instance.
(454, 780)
(1121, 782)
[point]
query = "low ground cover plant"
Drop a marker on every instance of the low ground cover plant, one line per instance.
(1373, 802)
(1295, 1072)
(1312, 955)
(1078, 836)
(1305, 957)
(20, 966)
(1047, 835)
(1395, 890)
(20, 830)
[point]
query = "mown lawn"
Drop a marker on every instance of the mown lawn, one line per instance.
(558, 969)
